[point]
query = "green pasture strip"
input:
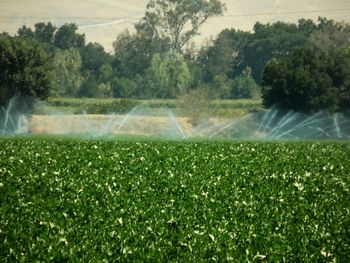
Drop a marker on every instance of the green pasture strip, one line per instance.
(170, 103)
(237, 104)
(78, 101)
(64, 199)
(224, 108)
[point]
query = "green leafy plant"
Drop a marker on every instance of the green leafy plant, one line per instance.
(79, 200)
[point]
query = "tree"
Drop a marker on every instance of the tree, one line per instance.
(267, 42)
(67, 80)
(66, 37)
(44, 32)
(105, 73)
(104, 90)
(124, 87)
(167, 77)
(331, 35)
(167, 25)
(134, 52)
(308, 80)
(220, 57)
(180, 20)
(89, 87)
(25, 32)
(340, 74)
(195, 104)
(244, 86)
(221, 87)
(307, 26)
(25, 70)
(94, 56)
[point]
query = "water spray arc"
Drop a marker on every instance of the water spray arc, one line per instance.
(11, 121)
(286, 125)
(272, 124)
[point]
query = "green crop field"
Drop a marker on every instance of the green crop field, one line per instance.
(160, 201)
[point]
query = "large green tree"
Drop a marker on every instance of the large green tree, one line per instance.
(66, 37)
(45, 32)
(67, 77)
(308, 80)
(96, 61)
(94, 56)
(233, 50)
(223, 54)
(167, 25)
(180, 20)
(25, 70)
(134, 52)
(268, 41)
(25, 32)
(167, 77)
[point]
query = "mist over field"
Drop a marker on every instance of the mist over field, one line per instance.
(103, 20)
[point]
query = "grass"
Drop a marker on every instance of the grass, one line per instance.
(170, 103)
(106, 200)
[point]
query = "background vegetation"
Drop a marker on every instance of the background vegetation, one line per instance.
(302, 66)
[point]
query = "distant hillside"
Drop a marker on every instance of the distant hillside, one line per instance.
(103, 20)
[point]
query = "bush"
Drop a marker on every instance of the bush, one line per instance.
(123, 87)
(245, 87)
(195, 105)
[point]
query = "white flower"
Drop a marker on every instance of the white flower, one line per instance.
(258, 256)
(212, 237)
(325, 253)
(299, 186)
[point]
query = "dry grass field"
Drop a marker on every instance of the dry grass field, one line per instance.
(104, 125)
(103, 20)
(108, 124)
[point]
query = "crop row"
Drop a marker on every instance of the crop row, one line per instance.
(77, 200)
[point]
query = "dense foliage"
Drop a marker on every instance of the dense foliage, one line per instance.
(167, 77)
(174, 201)
(81, 69)
(309, 80)
(25, 70)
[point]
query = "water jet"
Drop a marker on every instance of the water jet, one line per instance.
(273, 124)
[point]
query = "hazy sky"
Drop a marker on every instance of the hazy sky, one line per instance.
(102, 20)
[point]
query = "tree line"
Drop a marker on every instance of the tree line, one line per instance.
(303, 66)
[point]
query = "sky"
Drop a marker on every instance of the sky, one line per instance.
(103, 20)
